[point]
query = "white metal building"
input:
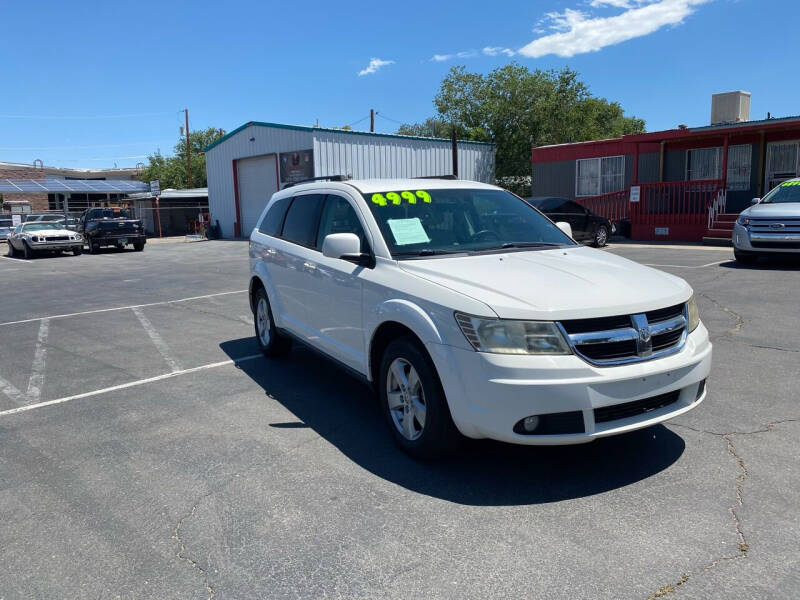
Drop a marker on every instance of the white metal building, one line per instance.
(249, 164)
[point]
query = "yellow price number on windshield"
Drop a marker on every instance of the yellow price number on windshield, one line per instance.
(397, 198)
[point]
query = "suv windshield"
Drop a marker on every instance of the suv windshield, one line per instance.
(109, 213)
(788, 191)
(420, 222)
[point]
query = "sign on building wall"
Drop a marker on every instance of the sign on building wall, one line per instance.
(636, 193)
(296, 166)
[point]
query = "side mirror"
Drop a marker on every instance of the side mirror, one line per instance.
(346, 246)
(755, 200)
(565, 227)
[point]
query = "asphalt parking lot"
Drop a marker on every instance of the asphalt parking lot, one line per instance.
(148, 451)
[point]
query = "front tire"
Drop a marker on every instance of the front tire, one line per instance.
(413, 401)
(11, 252)
(271, 342)
(77, 250)
(601, 236)
(27, 251)
(94, 247)
(138, 246)
(746, 258)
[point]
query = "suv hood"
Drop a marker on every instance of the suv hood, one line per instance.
(563, 283)
(780, 209)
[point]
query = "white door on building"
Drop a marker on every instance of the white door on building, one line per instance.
(258, 180)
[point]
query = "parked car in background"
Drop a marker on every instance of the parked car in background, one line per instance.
(30, 239)
(473, 314)
(6, 227)
(586, 225)
(771, 225)
(111, 227)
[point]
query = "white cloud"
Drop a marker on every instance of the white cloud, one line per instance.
(577, 32)
(374, 65)
(495, 50)
(445, 57)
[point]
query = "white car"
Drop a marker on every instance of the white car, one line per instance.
(771, 225)
(32, 238)
(471, 313)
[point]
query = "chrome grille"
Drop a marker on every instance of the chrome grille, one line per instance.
(781, 232)
(617, 340)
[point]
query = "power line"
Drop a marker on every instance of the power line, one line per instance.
(86, 117)
(382, 116)
(359, 121)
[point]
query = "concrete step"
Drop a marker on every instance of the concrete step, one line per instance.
(723, 225)
(716, 241)
(719, 233)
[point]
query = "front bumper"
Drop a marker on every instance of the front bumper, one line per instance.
(56, 245)
(113, 238)
(489, 393)
(775, 242)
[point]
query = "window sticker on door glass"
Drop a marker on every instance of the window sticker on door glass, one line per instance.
(408, 231)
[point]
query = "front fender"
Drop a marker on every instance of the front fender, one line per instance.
(409, 314)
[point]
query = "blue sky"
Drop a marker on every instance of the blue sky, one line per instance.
(70, 70)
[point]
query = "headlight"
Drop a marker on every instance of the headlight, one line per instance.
(502, 336)
(694, 314)
(743, 220)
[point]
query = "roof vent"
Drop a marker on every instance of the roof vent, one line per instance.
(730, 107)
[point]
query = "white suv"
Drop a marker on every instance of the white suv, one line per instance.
(470, 312)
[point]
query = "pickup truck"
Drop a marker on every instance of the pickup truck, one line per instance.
(111, 227)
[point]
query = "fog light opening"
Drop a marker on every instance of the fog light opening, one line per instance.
(529, 424)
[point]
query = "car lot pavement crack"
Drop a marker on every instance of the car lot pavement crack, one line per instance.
(739, 318)
(743, 545)
(176, 535)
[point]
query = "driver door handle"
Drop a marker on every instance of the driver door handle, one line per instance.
(309, 266)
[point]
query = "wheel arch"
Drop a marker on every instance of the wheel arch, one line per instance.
(399, 318)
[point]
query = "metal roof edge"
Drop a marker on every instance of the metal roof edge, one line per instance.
(330, 130)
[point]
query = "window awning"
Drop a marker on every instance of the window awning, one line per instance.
(82, 186)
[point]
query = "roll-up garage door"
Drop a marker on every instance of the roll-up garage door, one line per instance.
(258, 180)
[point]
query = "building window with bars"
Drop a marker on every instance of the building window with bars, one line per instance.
(596, 176)
(706, 163)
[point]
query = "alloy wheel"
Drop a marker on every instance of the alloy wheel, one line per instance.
(406, 399)
(263, 322)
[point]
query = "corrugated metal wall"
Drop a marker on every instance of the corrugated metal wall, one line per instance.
(366, 156)
(219, 161)
(335, 153)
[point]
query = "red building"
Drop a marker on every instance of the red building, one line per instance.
(681, 184)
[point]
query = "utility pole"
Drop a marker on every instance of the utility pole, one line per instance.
(188, 149)
(455, 150)
(372, 120)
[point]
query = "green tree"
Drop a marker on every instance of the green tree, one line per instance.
(517, 108)
(171, 170)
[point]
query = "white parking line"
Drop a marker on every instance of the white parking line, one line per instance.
(11, 391)
(36, 381)
(157, 340)
(130, 384)
(102, 310)
(711, 264)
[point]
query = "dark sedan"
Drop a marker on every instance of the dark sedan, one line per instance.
(586, 225)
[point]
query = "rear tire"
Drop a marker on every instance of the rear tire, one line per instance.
(746, 258)
(600, 236)
(269, 339)
(94, 247)
(413, 401)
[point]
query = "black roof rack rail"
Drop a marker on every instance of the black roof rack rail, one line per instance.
(448, 177)
(323, 178)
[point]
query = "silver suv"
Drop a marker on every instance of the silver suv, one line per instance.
(771, 225)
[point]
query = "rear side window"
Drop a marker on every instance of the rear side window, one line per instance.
(271, 224)
(302, 218)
